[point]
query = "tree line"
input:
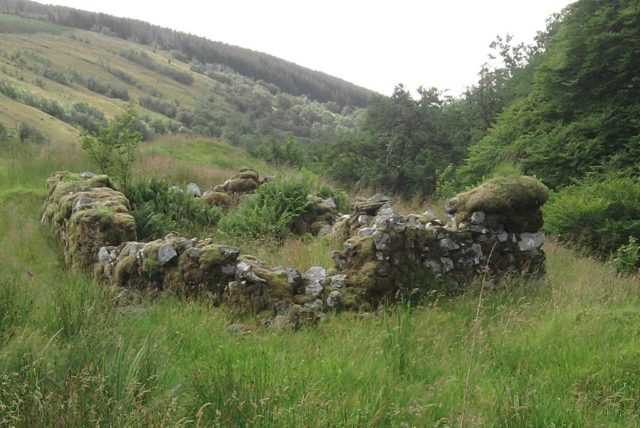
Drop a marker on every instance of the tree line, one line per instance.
(289, 77)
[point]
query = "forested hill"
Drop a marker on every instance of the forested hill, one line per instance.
(56, 82)
(288, 77)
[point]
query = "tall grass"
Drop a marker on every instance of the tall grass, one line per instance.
(560, 354)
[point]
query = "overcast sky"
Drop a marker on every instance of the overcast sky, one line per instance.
(375, 44)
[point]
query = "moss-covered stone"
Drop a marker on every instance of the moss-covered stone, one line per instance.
(218, 199)
(513, 201)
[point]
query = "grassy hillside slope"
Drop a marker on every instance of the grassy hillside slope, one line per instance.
(289, 77)
(50, 76)
(562, 354)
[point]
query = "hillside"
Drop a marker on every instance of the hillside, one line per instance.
(580, 115)
(560, 354)
(61, 81)
(288, 77)
(199, 285)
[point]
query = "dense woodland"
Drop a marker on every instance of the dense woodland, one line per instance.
(564, 109)
(288, 77)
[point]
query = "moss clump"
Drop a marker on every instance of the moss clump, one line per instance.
(126, 271)
(150, 265)
(90, 229)
(218, 199)
(513, 201)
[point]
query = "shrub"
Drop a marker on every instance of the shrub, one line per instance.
(114, 147)
(122, 75)
(272, 211)
(56, 76)
(106, 88)
(287, 153)
(3, 133)
(166, 108)
(158, 209)
(627, 258)
(596, 216)
(84, 116)
(276, 206)
(27, 133)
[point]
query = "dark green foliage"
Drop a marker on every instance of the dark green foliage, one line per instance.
(582, 114)
(141, 58)
(287, 153)
(105, 88)
(84, 116)
(113, 149)
(158, 210)
(47, 105)
(401, 147)
(11, 24)
(56, 76)
(166, 108)
(120, 74)
(27, 133)
(596, 215)
(3, 132)
(273, 210)
(627, 258)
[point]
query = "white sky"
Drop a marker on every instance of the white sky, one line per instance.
(375, 44)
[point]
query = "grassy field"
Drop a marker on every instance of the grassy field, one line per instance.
(562, 354)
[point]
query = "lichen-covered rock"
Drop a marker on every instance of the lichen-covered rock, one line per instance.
(293, 316)
(257, 286)
(176, 263)
(194, 190)
(319, 218)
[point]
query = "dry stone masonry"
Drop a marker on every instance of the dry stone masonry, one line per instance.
(85, 213)
(493, 230)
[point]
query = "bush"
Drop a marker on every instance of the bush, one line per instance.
(627, 258)
(84, 116)
(272, 211)
(114, 147)
(276, 206)
(596, 216)
(287, 153)
(106, 88)
(27, 133)
(166, 108)
(158, 209)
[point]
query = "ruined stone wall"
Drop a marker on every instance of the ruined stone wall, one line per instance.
(85, 213)
(385, 254)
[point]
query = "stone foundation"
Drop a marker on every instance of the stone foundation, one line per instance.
(386, 256)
